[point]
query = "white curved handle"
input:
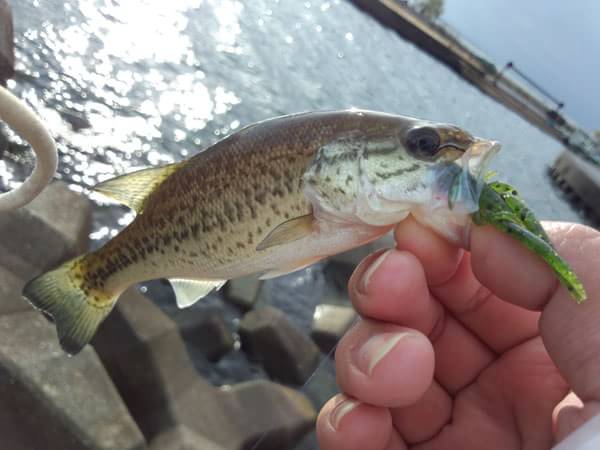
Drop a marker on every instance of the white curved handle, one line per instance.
(26, 124)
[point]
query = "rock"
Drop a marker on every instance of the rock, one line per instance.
(48, 397)
(338, 274)
(11, 287)
(243, 292)
(182, 438)
(7, 48)
(330, 322)
(149, 362)
(205, 329)
(285, 352)
(52, 228)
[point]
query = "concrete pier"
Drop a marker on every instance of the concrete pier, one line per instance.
(581, 180)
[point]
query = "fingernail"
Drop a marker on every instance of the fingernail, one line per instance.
(364, 281)
(367, 356)
(341, 410)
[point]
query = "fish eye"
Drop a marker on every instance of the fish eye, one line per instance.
(423, 142)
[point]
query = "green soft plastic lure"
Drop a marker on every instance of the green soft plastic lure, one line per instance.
(501, 207)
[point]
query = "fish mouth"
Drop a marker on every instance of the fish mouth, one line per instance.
(467, 184)
(483, 147)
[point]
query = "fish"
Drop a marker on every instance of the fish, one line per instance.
(269, 199)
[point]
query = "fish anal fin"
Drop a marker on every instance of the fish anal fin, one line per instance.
(132, 189)
(188, 292)
(289, 269)
(289, 231)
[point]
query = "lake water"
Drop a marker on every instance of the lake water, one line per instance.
(160, 86)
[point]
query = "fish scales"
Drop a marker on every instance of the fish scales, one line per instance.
(220, 205)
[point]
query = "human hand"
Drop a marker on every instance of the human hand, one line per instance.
(467, 349)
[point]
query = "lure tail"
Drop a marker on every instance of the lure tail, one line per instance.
(76, 309)
(501, 207)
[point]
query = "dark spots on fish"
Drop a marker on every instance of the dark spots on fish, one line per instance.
(274, 174)
(289, 184)
(278, 192)
(230, 251)
(382, 151)
(338, 171)
(154, 263)
(215, 247)
(286, 215)
(340, 190)
(222, 223)
(219, 239)
(312, 181)
(194, 254)
(167, 240)
(247, 194)
(268, 222)
(397, 172)
(349, 180)
(239, 209)
(185, 234)
(240, 245)
(176, 248)
(229, 211)
(260, 197)
(195, 229)
(259, 230)
(275, 209)
(328, 179)
(318, 167)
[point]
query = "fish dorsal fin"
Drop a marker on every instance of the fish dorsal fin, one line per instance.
(288, 231)
(188, 292)
(132, 189)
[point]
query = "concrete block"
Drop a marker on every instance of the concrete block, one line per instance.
(286, 353)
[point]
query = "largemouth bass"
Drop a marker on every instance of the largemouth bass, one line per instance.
(271, 198)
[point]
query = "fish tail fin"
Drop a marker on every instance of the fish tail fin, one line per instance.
(76, 309)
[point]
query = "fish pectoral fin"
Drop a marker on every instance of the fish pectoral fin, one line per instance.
(132, 189)
(289, 231)
(188, 292)
(289, 269)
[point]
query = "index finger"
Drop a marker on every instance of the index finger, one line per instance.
(451, 280)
